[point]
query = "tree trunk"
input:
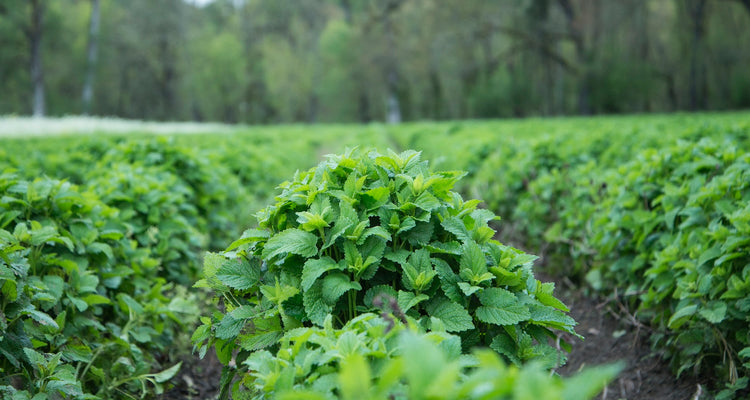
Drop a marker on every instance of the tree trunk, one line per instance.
(37, 72)
(91, 55)
(393, 107)
(697, 68)
(582, 54)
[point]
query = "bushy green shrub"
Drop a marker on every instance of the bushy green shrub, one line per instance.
(210, 187)
(156, 208)
(83, 313)
(362, 225)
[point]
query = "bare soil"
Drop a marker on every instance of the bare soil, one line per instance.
(198, 379)
(612, 335)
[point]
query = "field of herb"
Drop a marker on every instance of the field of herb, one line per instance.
(408, 261)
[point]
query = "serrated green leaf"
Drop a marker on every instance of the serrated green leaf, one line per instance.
(42, 318)
(375, 198)
(714, 311)
(504, 345)
(335, 285)
(448, 281)
(314, 268)
(407, 300)
(292, 240)
(239, 274)
(545, 296)
(678, 318)
(427, 201)
(229, 327)
(316, 307)
(249, 236)
(102, 248)
(501, 307)
(473, 263)
(452, 247)
(259, 341)
(379, 290)
(168, 373)
(454, 317)
(378, 231)
(550, 317)
(468, 289)
(457, 227)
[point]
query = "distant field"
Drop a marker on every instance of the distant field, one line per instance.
(104, 227)
(28, 126)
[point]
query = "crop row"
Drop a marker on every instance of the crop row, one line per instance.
(368, 252)
(657, 220)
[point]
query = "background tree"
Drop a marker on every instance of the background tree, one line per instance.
(269, 61)
(91, 53)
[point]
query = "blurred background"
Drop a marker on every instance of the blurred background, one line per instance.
(274, 61)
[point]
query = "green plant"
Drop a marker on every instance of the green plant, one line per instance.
(377, 358)
(83, 313)
(361, 225)
(672, 234)
(209, 186)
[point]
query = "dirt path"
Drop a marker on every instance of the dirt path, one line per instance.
(611, 336)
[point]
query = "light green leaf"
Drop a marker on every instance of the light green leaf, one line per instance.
(448, 281)
(249, 236)
(473, 262)
(714, 312)
(456, 226)
(259, 341)
(550, 317)
(375, 198)
(680, 316)
(335, 285)
(468, 288)
(545, 296)
(315, 306)
(454, 317)
(168, 373)
(407, 300)
(294, 241)
(42, 318)
(239, 274)
(427, 202)
(501, 307)
(374, 231)
(94, 299)
(379, 290)
(314, 268)
(355, 378)
(278, 293)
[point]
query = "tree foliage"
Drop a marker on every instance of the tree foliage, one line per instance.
(350, 60)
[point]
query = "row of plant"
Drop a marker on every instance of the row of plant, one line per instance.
(665, 233)
(655, 220)
(88, 273)
(364, 234)
(84, 311)
(96, 277)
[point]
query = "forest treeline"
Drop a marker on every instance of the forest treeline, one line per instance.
(267, 61)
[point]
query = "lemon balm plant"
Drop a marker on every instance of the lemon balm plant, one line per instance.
(362, 225)
(377, 358)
